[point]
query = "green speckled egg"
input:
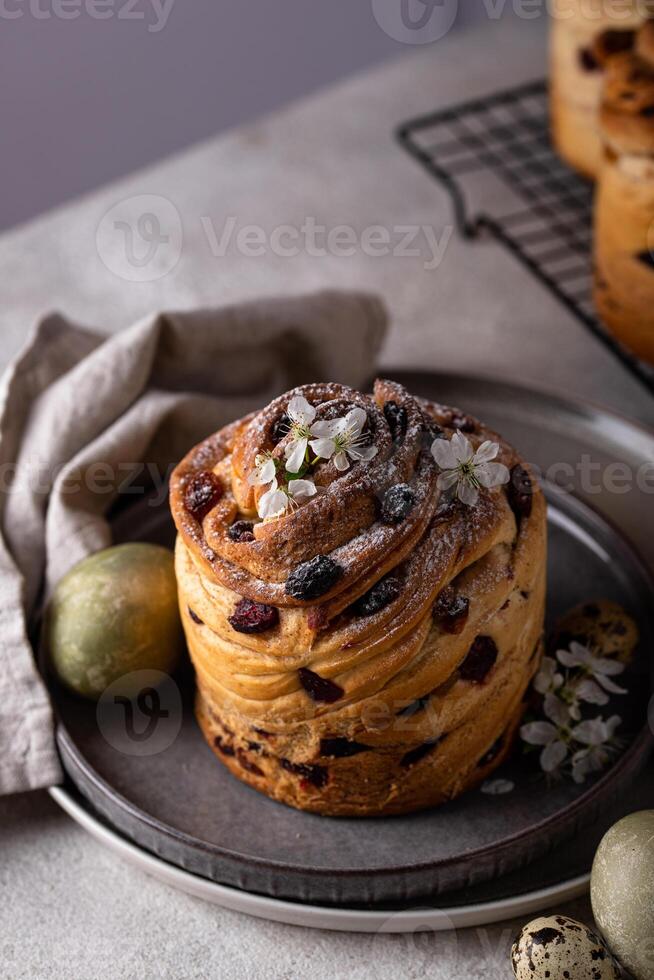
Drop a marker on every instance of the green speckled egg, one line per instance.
(114, 613)
(555, 947)
(622, 892)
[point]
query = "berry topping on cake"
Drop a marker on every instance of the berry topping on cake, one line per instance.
(241, 531)
(319, 688)
(253, 617)
(313, 578)
(202, 494)
(397, 503)
(380, 595)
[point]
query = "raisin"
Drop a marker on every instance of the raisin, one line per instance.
(315, 775)
(647, 258)
(339, 747)
(223, 747)
(463, 423)
(430, 433)
(520, 492)
(492, 753)
(247, 764)
(313, 578)
(420, 752)
(480, 660)
(587, 60)
(194, 616)
(383, 592)
(647, 111)
(262, 732)
(614, 42)
(451, 610)
(397, 419)
(397, 503)
(241, 531)
(202, 494)
(319, 688)
(280, 428)
(253, 617)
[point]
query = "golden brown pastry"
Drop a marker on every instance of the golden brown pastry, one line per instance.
(624, 208)
(366, 648)
(584, 35)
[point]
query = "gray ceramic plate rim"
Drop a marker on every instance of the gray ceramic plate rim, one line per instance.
(436, 919)
(630, 759)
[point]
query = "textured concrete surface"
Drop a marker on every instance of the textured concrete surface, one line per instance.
(68, 908)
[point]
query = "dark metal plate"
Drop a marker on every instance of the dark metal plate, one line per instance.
(180, 803)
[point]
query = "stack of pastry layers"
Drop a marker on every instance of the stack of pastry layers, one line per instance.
(341, 707)
(602, 110)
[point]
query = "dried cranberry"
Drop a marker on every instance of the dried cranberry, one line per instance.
(480, 660)
(280, 428)
(383, 592)
(451, 610)
(313, 578)
(462, 422)
(194, 616)
(317, 618)
(520, 492)
(253, 617)
(241, 531)
(316, 775)
(647, 258)
(247, 764)
(397, 503)
(615, 41)
(415, 755)
(339, 747)
(397, 419)
(202, 494)
(319, 688)
(587, 60)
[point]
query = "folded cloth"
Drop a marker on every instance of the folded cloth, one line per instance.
(80, 412)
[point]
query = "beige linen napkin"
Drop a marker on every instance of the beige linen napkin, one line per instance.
(78, 413)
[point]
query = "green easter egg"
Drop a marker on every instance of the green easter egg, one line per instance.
(622, 892)
(114, 613)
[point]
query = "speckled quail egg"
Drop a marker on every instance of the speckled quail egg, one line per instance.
(560, 948)
(622, 892)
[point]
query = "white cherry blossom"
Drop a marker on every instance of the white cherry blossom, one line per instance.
(596, 671)
(301, 414)
(342, 438)
(548, 679)
(264, 470)
(597, 737)
(466, 469)
(553, 735)
(277, 500)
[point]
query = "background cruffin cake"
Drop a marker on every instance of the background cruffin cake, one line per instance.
(369, 650)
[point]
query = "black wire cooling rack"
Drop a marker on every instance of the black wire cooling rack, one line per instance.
(548, 226)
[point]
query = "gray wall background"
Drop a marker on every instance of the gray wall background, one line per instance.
(84, 100)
